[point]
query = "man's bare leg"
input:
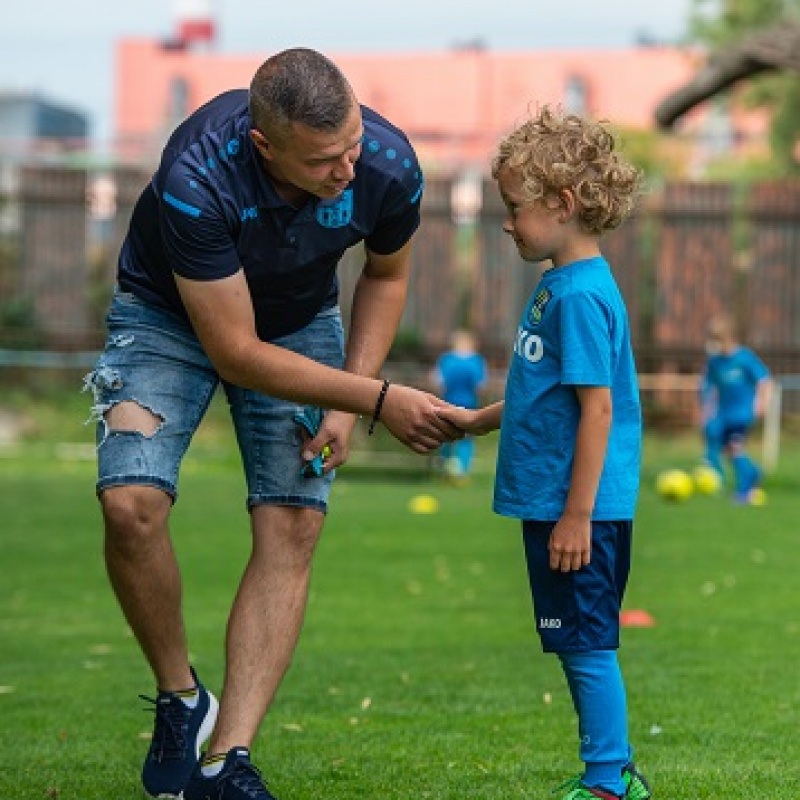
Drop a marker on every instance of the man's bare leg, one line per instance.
(265, 620)
(141, 562)
(144, 574)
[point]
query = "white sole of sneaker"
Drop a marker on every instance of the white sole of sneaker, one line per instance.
(208, 723)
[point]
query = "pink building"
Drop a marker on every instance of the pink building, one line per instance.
(454, 104)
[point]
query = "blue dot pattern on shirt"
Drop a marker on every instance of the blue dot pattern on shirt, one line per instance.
(211, 210)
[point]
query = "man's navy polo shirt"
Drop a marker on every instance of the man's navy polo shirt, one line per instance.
(211, 209)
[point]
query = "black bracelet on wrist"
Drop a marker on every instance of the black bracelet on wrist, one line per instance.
(376, 414)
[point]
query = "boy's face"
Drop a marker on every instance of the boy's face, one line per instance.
(534, 227)
(719, 339)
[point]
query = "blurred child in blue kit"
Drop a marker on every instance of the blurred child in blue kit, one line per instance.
(460, 374)
(570, 424)
(735, 391)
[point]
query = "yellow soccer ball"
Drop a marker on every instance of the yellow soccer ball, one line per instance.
(423, 504)
(707, 480)
(674, 485)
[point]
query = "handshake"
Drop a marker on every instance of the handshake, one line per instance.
(419, 420)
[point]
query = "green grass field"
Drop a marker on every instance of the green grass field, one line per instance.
(419, 673)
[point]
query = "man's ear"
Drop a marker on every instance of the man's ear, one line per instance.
(261, 143)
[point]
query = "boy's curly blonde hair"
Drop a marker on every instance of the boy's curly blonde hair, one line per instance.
(554, 151)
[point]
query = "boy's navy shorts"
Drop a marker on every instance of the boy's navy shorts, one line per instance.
(728, 433)
(578, 611)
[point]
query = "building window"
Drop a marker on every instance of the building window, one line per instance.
(178, 99)
(576, 95)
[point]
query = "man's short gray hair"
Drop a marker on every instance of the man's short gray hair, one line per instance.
(299, 85)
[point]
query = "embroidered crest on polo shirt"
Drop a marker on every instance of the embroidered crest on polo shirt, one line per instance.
(336, 213)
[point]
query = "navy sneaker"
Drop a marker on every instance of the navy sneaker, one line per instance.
(238, 780)
(178, 733)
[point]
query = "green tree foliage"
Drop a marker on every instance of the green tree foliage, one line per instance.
(719, 24)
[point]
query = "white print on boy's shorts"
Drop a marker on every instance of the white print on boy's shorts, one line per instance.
(544, 622)
(529, 346)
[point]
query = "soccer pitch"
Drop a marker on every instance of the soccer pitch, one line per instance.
(419, 673)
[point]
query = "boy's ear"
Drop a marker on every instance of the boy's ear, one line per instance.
(568, 205)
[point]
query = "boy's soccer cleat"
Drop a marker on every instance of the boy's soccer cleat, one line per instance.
(238, 780)
(177, 735)
(755, 497)
(575, 790)
(636, 787)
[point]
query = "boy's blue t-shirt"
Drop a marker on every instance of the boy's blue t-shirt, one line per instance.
(461, 375)
(734, 378)
(574, 332)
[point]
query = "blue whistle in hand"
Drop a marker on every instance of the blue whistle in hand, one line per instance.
(310, 418)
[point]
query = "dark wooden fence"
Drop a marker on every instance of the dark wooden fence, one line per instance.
(690, 250)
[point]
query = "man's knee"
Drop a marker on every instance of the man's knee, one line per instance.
(308, 531)
(303, 529)
(293, 532)
(134, 514)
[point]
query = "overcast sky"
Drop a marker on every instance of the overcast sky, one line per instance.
(63, 49)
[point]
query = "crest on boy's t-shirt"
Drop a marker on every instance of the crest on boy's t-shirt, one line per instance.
(538, 306)
(336, 213)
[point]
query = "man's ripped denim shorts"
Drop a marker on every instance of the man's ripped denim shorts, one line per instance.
(153, 358)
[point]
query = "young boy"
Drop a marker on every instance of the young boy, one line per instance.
(460, 375)
(568, 462)
(735, 391)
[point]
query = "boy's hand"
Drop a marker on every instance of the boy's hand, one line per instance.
(463, 418)
(571, 544)
(475, 421)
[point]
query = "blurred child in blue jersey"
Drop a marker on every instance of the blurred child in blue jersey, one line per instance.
(735, 391)
(460, 375)
(570, 424)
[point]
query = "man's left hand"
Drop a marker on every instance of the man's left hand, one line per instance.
(333, 436)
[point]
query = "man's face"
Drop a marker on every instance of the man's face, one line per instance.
(319, 162)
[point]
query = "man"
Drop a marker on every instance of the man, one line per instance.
(228, 274)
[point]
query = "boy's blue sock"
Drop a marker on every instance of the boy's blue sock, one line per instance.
(747, 474)
(465, 449)
(714, 453)
(598, 694)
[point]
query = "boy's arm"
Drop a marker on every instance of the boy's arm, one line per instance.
(707, 397)
(475, 421)
(571, 539)
(763, 396)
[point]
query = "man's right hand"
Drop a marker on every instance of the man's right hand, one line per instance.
(411, 417)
